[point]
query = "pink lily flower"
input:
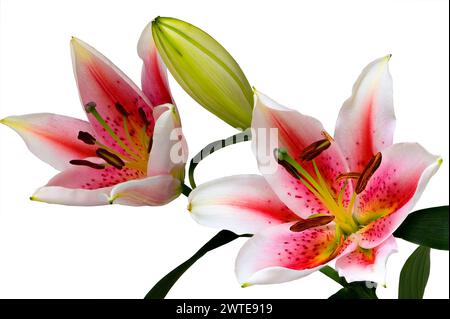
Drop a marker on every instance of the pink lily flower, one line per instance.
(330, 199)
(123, 153)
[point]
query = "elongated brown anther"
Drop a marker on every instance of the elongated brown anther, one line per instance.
(315, 149)
(279, 156)
(349, 175)
(367, 173)
(311, 222)
(143, 116)
(110, 158)
(121, 109)
(86, 138)
(87, 163)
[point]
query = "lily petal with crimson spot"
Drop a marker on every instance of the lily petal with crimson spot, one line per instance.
(390, 180)
(367, 264)
(107, 160)
(283, 255)
(367, 116)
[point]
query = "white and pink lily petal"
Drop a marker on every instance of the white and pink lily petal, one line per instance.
(295, 133)
(284, 247)
(366, 121)
(244, 204)
(277, 254)
(120, 155)
(352, 221)
(367, 264)
(52, 138)
(169, 152)
(94, 181)
(393, 190)
(120, 114)
(155, 84)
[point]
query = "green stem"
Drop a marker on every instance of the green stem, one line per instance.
(211, 148)
(186, 190)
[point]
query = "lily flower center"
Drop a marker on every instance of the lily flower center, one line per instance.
(341, 212)
(130, 153)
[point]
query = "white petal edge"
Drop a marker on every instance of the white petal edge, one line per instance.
(375, 272)
(241, 203)
(149, 191)
(399, 216)
(169, 151)
(71, 197)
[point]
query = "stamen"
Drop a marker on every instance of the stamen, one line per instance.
(352, 203)
(367, 173)
(343, 219)
(143, 136)
(121, 109)
(143, 132)
(349, 175)
(279, 156)
(87, 163)
(320, 188)
(100, 145)
(296, 171)
(315, 149)
(327, 136)
(86, 138)
(311, 222)
(110, 158)
(294, 168)
(143, 116)
(132, 143)
(91, 108)
(341, 194)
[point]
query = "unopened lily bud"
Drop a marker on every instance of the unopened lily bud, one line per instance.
(205, 70)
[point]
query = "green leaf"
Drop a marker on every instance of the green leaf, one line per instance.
(357, 290)
(333, 274)
(414, 274)
(426, 227)
(353, 290)
(205, 70)
(160, 290)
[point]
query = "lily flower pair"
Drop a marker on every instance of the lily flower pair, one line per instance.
(131, 151)
(330, 199)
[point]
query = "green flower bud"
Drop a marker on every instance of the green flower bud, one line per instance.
(205, 70)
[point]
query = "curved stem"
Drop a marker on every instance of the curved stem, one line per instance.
(185, 190)
(211, 148)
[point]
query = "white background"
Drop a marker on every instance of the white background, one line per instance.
(305, 55)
